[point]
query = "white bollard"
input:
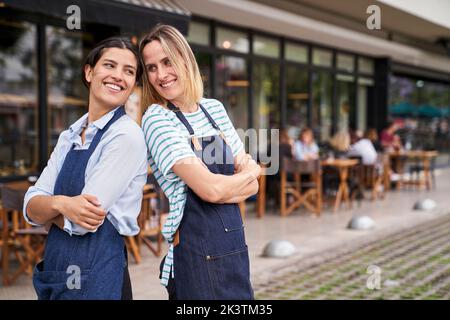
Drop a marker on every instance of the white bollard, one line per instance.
(278, 249)
(361, 223)
(426, 205)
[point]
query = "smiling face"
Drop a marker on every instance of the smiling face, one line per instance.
(307, 137)
(162, 74)
(113, 77)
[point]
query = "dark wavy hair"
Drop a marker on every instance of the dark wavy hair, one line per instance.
(113, 42)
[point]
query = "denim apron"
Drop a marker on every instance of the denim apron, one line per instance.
(211, 259)
(92, 266)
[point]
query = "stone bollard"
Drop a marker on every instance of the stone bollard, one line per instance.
(278, 249)
(425, 205)
(361, 223)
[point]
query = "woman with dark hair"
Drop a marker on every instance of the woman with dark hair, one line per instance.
(286, 144)
(90, 192)
(372, 135)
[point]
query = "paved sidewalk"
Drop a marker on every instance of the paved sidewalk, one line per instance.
(316, 239)
(413, 264)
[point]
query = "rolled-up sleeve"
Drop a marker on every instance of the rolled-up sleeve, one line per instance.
(46, 183)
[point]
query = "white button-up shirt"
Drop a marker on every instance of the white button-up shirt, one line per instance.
(116, 171)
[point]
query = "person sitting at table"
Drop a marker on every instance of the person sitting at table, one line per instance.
(305, 148)
(286, 144)
(390, 141)
(362, 147)
(340, 143)
(372, 135)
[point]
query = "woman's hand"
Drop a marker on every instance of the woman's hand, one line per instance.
(83, 210)
(241, 161)
(247, 164)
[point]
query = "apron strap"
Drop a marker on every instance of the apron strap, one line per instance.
(213, 123)
(184, 121)
(181, 117)
(98, 136)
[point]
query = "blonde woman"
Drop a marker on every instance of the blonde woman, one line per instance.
(199, 162)
(340, 142)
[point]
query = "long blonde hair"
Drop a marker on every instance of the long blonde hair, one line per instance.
(340, 141)
(183, 60)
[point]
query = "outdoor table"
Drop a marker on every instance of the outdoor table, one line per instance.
(342, 165)
(423, 156)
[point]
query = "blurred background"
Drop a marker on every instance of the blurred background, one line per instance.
(274, 64)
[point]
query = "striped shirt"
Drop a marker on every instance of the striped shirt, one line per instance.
(168, 142)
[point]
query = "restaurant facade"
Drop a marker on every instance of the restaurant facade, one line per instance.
(273, 64)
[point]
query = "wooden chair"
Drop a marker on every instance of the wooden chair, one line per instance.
(261, 197)
(25, 241)
(32, 240)
(242, 208)
(373, 178)
(356, 180)
(150, 220)
(312, 197)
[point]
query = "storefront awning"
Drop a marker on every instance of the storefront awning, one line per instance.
(130, 15)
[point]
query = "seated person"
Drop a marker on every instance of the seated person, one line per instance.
(305, 148)
(372, 135)
(286, 144)
(362, 147)
(389, 140)
(340, 143)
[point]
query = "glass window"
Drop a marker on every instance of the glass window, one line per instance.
(232, 40)
(267, 47)
(297, 99)
(67, 99)
(346, 108)
(18, 98)
(266, 104)
(346, 62)
(322, 57)
(365, 65)
(296, 53)
(322, 111)
(232, 88)
(198, 33)
(365, 101)
(366, 81)
(204, 65)
(266, 111)
(424, 107)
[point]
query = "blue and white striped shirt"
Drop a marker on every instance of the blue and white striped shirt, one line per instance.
(168, 142)
(116, 171)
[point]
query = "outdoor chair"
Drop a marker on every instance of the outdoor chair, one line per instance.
(26, 242)
(150, 220)
(306, 193)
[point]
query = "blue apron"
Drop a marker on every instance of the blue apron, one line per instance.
(92, 266)
(211, 260)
